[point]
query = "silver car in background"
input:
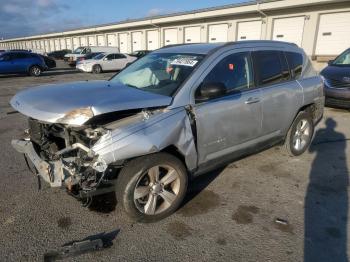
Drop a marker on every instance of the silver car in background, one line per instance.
(105, 62)
(172, 115)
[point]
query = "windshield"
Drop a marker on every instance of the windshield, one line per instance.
(78, 50)
(161, 73)
(343, 59)
(98, 57)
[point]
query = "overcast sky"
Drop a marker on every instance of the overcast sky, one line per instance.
(29, 17)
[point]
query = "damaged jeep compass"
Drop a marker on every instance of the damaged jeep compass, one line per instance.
(176, 113)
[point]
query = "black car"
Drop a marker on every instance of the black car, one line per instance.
(59, 54)
(50, 62)
(337, 81)
(140, 53)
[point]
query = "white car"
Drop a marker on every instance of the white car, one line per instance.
(105, 62)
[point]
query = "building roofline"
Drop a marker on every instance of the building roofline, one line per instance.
(129, 23)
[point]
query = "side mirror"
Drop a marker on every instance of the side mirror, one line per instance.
(105, 59)
(330, 62)
(210, 90)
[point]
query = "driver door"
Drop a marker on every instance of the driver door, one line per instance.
(232, 122)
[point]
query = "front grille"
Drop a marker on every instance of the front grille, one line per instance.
(337, 83)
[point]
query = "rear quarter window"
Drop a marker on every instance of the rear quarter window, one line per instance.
(295, 62)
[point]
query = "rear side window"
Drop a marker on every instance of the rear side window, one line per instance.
(20, 55)
(271, 67)
(295, 62)
(119, 56)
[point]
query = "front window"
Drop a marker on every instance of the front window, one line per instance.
(343, 59)
(78, 50)
(161, 73)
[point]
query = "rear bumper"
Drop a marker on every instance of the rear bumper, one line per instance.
(52, 172)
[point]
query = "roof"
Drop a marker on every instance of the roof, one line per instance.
(205, 48)
(200, 48)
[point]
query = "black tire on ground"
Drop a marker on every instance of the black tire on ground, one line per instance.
(96, 69)
(35, 70)
(303, 120)
(135, 174)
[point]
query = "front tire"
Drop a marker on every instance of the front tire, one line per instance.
(35, 71)
(152, 187)
(96, 69)
(300, 134)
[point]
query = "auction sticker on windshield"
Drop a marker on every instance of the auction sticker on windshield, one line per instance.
(184, 61)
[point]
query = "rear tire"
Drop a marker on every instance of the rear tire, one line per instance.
(96, 69)
(152, 187)
(300, 134)
(35, 71)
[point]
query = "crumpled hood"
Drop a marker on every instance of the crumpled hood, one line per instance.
(51, 103)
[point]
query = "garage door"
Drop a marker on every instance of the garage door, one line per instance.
(69, 43)
(101, 40)
(111, 40)
(63, 43)
(249, 30)
(52, 45)
(42, 44)
(57, 44)
(92, 40)
(218, 33)
(136, 38)
(123, 43)
(75, 43)
(289, 29)
(170, 36)
(193, 34)
(47, 46)
(152, 39)
(333, 34)
(83, 41)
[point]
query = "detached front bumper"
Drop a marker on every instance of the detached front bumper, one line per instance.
(51, 172)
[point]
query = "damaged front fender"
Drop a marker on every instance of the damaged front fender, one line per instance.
(152, 134)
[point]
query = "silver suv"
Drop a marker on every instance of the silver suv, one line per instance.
(176, 113)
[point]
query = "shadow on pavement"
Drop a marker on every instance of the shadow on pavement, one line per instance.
(326, 201)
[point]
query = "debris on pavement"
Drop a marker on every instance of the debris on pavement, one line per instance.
(75, 248)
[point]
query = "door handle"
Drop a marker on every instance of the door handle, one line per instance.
(252, 100)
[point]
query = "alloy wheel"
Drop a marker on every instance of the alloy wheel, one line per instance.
(156, 189)
(301, 135)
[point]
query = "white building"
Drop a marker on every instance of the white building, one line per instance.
(321, 27)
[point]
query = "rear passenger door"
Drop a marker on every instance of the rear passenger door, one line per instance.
(281, 95)
(120, 61)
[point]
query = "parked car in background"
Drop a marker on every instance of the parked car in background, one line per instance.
(22, 62)
(59, 54)
(170, 116)
(140, 53)
(337, 81)
(105, 62)
(50, 62)
(72, 58)
(88, 56)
